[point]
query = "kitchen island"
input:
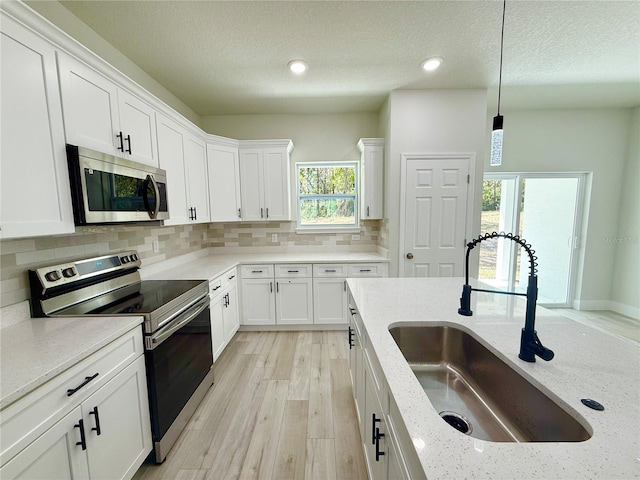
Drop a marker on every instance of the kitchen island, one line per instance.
(587, 364)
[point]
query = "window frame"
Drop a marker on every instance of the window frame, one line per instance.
(329, 227)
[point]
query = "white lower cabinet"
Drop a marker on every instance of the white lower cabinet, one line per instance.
(225, 319)
(378, 416)
(107, 436)
(54, 454)
(300, 294)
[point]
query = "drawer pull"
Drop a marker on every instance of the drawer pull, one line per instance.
(231, 277)
(293, 271)
(83, 440)
(329, 271)
(365, 269)
(256, 271)
(97, 427)
(215, 288)
(71, 391)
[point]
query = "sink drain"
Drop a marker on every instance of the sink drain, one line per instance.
(457, 421)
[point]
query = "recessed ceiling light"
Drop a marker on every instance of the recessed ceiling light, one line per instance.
(431, 64)
(297, 66)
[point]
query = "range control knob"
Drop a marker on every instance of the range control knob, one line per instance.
(134, 257)
(52, 276)
(68, 272)
(124, 259)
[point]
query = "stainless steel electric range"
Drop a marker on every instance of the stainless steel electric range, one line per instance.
(177, 328)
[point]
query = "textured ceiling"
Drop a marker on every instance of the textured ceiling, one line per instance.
(230, 57)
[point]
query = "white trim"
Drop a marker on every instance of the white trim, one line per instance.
(326, 229)
(626, 310)
(470, 157)
(592, 304)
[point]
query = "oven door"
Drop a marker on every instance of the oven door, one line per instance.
(108, 189)
(178, 357)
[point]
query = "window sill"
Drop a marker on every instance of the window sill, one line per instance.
(326, 230)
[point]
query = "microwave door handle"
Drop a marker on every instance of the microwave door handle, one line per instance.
(154, 213)
(157, 338)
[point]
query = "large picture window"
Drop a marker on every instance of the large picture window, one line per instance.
(327, 195)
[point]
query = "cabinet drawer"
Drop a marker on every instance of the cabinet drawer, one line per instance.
(257, 271)
(25, 420)
(329, 270)
(229, 276)
(215, 287)
(292, 271)
(367, 270)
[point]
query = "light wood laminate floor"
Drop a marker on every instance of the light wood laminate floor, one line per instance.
(281, 408)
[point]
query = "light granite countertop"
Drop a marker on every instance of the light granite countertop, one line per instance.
(212, 265)
(35, 350)
(588, 364)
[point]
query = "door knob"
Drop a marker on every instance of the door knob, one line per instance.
(410, 256)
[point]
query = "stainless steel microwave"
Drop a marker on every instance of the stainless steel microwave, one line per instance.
(108, 189)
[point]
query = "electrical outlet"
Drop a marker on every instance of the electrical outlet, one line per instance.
(274, 238)
(355, 237)
(204, 236)
(156, 246)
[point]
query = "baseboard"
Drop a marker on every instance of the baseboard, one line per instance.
(626, 310)
(592, 304)
(610, 305)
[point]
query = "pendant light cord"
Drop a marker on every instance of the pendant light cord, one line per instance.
(504, 6)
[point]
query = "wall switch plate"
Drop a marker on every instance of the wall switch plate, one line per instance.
(355, 237)
(274, 237)
(156, 246)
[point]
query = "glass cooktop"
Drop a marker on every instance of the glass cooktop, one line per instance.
(140, 298)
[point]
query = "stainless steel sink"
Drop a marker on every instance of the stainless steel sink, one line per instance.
(478, 393)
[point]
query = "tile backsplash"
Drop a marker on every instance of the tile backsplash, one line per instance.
(17, 256)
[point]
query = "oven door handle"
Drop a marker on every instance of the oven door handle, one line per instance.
(157, 338)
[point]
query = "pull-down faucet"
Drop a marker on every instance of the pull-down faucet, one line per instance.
(530, 344)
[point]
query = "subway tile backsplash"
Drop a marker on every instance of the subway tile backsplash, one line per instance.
(17, 256)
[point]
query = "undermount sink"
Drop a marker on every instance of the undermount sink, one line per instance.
(478, 393)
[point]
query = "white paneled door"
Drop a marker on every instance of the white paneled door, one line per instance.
(434, 215)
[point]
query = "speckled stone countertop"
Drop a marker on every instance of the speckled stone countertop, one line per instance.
(587, 364)
(210, 266)
(35, 350)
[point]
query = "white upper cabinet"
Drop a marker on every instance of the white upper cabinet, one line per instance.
(183, 156)
(100, 115)
(224, 183)
(371, 179)
(195, 162)
(265, 180)
(34, 184)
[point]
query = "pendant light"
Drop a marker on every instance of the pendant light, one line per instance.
(496, 133)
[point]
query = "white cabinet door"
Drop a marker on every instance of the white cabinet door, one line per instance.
(294, 301)
(55, 454)
(103, 117)
(171, 141)
(258, 302)
(330, 301)
(371, 180)
(217, 325)
(277, 199)
(264, 183)
(90, 104)
(34, 184)
(197, 187)
(224, 183)
(117, 425)
(252, 184)
(230, 313)
(138, 124)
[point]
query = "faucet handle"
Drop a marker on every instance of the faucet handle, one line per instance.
(465, 301)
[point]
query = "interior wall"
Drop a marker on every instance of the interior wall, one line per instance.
(316, 137)
(431, 121)
(81, 32)
(579, 140)
(626, 274)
